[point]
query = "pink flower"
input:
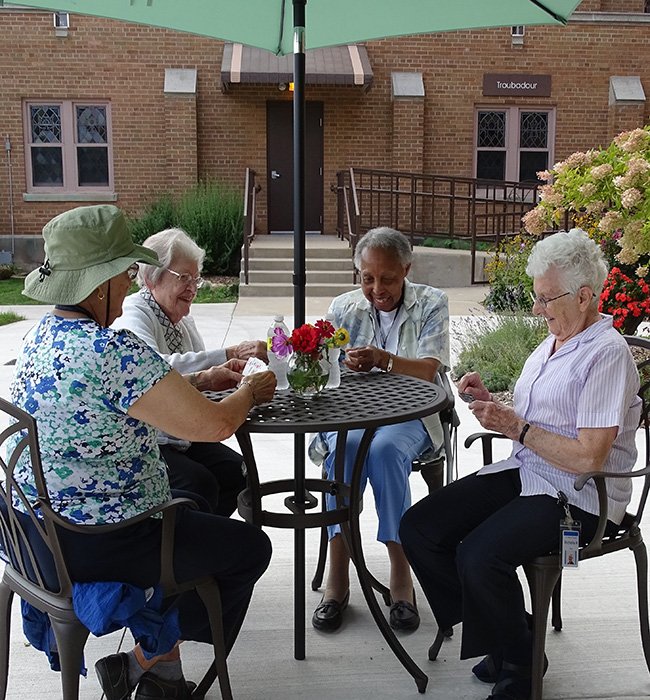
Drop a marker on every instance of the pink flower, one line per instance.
(280, 344)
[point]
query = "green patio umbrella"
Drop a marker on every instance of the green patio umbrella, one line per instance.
(289, 26)
(281, 26)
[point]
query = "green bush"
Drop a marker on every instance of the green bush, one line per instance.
(7, 271)
(7, 317)
(497, 347)
(510, 286)
(455, 244)
(212, 215)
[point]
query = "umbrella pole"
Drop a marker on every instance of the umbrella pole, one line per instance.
(299, 303)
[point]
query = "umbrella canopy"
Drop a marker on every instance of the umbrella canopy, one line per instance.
(281, 26)
(268, 24)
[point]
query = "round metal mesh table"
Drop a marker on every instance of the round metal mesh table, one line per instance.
(363, 401)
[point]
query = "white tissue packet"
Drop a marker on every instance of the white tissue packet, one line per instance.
(253, 365)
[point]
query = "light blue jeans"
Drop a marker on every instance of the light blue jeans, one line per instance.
(387, 466)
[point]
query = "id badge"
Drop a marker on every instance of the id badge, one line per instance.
(570, 546)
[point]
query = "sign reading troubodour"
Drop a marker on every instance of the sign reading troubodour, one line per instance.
(516, 84)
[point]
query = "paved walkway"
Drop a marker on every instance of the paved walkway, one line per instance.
(598, 655)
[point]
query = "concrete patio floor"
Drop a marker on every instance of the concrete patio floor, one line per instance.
(597, 655)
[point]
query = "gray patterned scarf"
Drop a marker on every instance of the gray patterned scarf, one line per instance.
(173, 335)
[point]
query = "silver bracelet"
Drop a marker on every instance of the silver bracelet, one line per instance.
(250, 386)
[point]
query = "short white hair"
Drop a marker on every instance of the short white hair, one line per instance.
(577, 257)
(170, 244)
(384, 238)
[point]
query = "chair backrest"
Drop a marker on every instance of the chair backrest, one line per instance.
(642, 360)
(28, 541)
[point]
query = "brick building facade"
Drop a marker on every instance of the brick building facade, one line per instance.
(155, 117)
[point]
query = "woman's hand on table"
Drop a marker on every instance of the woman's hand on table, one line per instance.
(247, 349)
(363, 359)
(220, 377)
(262, 386)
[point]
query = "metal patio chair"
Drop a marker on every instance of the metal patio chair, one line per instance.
(27, 575)
(544, 573)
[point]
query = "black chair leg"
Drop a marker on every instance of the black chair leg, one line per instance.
(71, 638)
(212, 600)
(541, 580)
(441, 635)
(556, 606)
(641, 558)
(6, 597)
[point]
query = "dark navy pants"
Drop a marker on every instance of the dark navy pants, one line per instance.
(465, 542)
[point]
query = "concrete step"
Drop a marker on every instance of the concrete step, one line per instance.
(286, 251)
(281, 276)
(286, 263)
(286, 290)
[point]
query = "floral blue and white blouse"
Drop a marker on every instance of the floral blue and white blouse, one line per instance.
(78, 380)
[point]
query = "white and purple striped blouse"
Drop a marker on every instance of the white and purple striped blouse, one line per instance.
(590, 382)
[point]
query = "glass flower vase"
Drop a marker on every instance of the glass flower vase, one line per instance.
(308, 373)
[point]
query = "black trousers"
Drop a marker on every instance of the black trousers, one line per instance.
(465, 542)
(235, 553)
(209, 469)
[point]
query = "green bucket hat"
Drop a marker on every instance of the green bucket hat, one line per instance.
(84, 247)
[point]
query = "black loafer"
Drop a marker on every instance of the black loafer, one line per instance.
(152, 687)
(113, 674)
(404, 616)
(328, 615)
(487, 669)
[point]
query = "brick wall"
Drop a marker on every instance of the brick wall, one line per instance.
(163, 143)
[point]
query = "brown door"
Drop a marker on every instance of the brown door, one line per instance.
(279, 162)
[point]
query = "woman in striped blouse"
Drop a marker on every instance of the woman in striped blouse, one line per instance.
(575, 410)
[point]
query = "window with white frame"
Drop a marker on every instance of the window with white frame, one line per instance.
(513, 143)
(68, 146)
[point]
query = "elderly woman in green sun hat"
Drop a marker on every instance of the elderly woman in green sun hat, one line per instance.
(100, 396)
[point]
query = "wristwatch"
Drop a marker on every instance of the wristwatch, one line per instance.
(389, 364)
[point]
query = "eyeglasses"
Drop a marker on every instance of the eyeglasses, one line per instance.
(186, 279)
(545, 302)
(132, 271)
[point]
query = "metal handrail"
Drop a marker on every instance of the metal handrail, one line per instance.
(251, 188)
(424, 206)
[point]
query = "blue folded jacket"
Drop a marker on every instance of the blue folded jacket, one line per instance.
(104, 607)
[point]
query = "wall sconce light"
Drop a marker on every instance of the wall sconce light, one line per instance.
(282, 87)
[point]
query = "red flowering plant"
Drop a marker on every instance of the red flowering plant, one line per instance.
(627, 299)
(308, 345)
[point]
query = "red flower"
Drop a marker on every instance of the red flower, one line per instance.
(305, 339)
(624, 297)
(325, 328)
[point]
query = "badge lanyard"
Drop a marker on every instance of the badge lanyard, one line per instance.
(569, 536)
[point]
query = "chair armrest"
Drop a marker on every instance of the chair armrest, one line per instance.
(164, 508)
(486, 440)
(168, 510)
(596, 544)
(584, 478)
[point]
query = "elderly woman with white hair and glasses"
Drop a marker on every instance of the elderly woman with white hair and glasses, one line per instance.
(576, 410)
(99, 397)
(159, 314)
(400, 327)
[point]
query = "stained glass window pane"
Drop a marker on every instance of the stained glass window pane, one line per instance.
(530, 163)
(45, 124)
(92, 164)
(491, 165)
(491, 129)
(91, 124)
(533, 132)
(47, 166)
